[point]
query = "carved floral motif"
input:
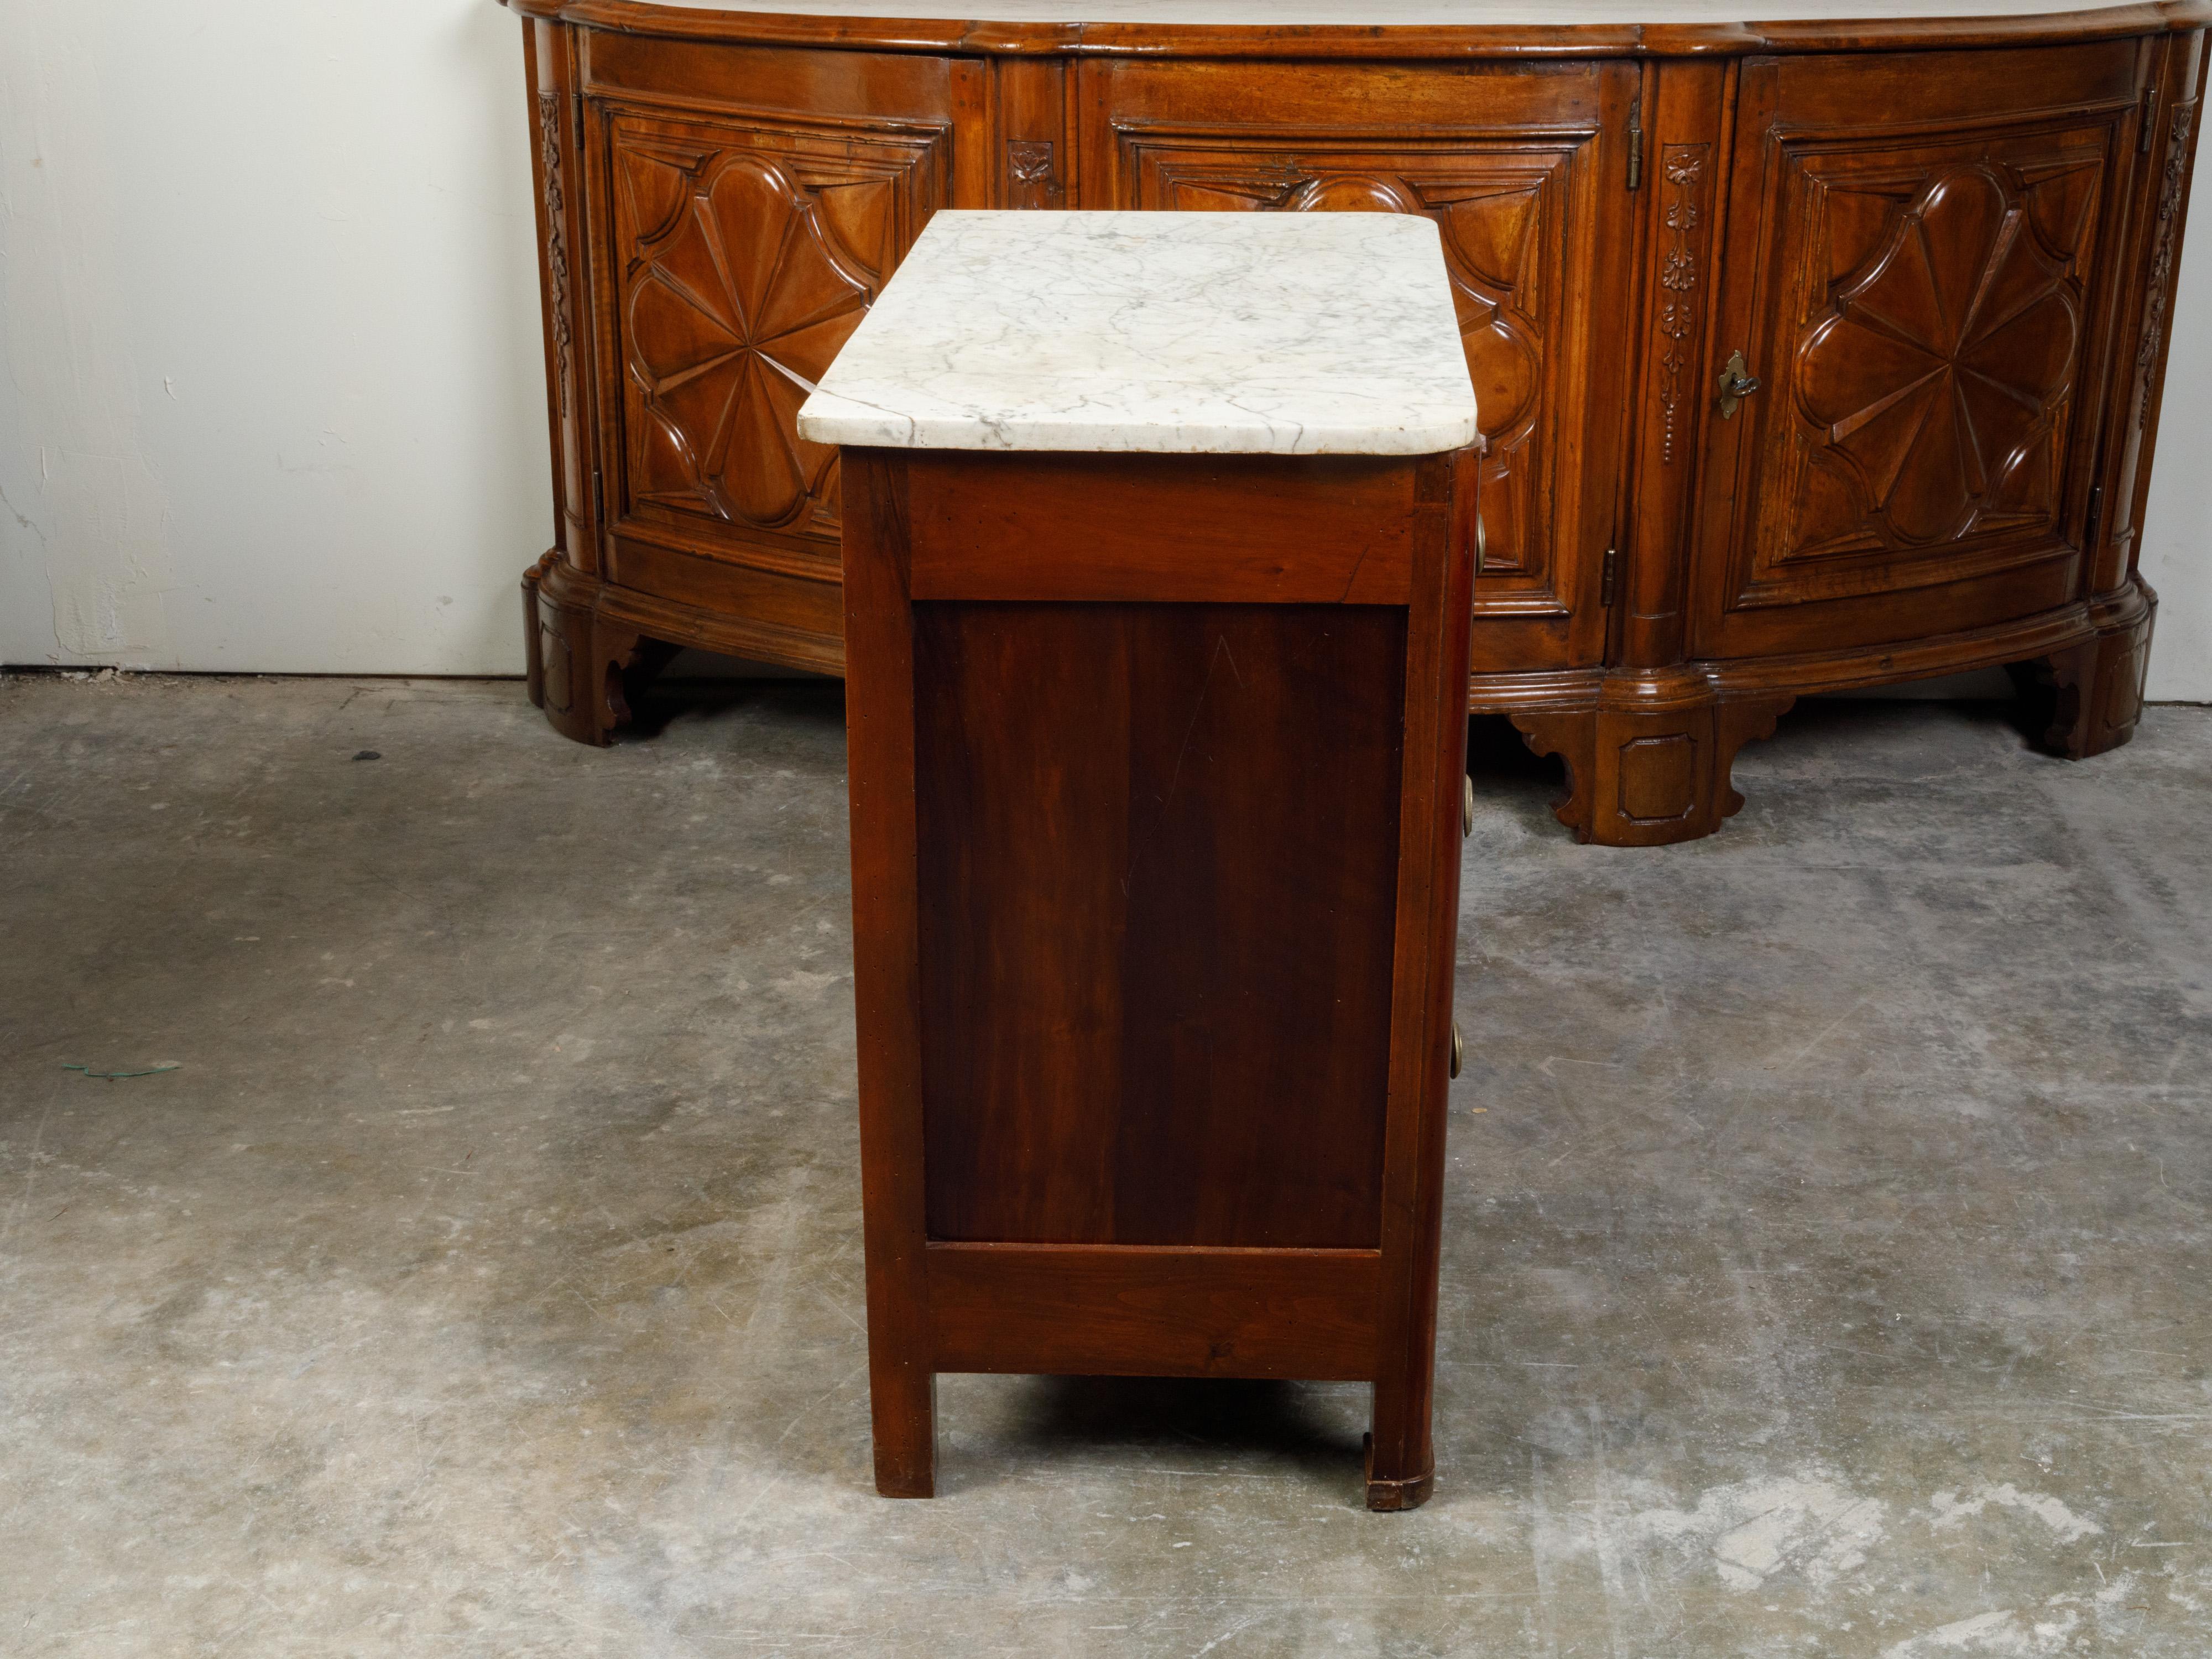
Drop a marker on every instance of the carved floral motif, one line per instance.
(2171, 191)
(1030, 177)
(1029, 159)
(556, 242)
(1684, 167)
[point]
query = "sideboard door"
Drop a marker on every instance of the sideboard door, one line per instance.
(1921, 272)
(1524, 168)
(750, 205)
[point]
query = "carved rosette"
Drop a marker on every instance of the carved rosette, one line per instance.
(2159, 294)
(740, 306)
(1030, 182)
(1939, 371)
(746, 253)
(1683, 168)
(556, 242)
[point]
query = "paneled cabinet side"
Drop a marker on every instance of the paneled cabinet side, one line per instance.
(576, 656)
(2093, 686)
(2173, 123)
(553, 635)
(555, 170)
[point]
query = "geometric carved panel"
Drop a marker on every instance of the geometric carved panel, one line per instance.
(747, 256)
(1929, 364)
(1503, 210)
(1938, 376)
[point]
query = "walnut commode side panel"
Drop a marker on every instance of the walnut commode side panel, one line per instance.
(1160, 858)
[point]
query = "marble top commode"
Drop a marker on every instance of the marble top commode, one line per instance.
(1173, 333)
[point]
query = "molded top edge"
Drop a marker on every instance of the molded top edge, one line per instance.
(1158, 333)
(1377, 28)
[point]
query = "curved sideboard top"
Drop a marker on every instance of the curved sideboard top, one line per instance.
(1346, 28)
(1815, 352)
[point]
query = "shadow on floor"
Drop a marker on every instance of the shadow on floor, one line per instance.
(1507, 772)
(1496, 758)
(658, 703)
(1300, 1427)
(1838, 719)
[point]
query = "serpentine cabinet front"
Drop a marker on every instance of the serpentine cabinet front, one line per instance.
(1799, 369)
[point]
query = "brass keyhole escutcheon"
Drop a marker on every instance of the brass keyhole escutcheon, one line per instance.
(1737, 383)
(1458, 1049)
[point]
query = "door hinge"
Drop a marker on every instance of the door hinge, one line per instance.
(2149, 132)
(1635, 141)
(1608, 575)
(2094, 520)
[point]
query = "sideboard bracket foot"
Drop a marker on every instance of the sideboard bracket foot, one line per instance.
(2087, 698)
(1648, 763)
(582, 669)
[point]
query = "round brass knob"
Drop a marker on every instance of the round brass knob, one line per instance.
(1466, 807)
(1458, 1049)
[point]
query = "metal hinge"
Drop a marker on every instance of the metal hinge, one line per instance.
(2096, 518)
(1608, 575)
(1635, 141)
(2149, 129)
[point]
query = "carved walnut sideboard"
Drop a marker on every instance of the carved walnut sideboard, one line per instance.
(1811, 355)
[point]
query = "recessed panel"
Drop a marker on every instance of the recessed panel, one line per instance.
(748, 252)
(1159, 868)
(1521, 169)
(1922, 274)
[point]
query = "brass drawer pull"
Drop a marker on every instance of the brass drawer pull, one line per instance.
(1458, 1049)
(1466, 807)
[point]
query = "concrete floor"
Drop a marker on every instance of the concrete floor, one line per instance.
(1827, 1267)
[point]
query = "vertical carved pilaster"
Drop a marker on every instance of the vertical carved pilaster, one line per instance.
(1683, 168)
(557, 243)
(2161, 287)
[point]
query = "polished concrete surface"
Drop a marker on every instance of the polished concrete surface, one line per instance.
(1828, 1268)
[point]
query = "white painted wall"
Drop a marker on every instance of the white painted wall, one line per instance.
(274, 385)
(2177, 551)
(274, 394)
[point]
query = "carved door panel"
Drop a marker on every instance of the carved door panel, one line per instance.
(1521, 172)
(746, 251)
(1926, 296)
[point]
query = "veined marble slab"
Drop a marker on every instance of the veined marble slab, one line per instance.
(1174, 333)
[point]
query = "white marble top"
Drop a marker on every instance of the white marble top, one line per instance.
(1443, 13)
(1177, 333)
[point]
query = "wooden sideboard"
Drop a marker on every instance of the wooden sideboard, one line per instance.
(1811, 355)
